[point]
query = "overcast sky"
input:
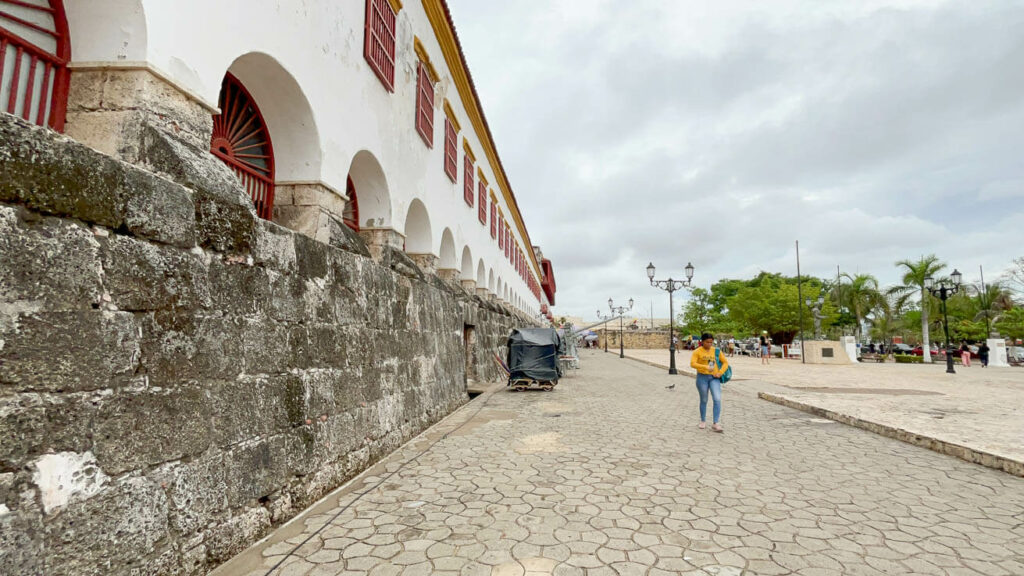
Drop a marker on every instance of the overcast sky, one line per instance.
(720, 132)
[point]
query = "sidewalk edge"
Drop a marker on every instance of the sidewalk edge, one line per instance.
(967, 453)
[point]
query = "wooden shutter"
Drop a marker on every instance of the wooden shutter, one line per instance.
(425, 106)
(241, 140)
(451, 152)
(494, 220)
(379, 42)
(481, 210)
(467, 184)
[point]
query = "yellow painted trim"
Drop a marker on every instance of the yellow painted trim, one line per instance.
(460, 76)
(396, 5)
(468, 150)
(451, 115)
(480, 175)
(421, 53)
(494, 198)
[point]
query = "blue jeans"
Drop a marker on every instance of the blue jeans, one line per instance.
(708, 383)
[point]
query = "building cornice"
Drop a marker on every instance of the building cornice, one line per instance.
(444, 30)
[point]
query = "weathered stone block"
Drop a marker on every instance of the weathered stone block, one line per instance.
(253, 407)
(54, 175)
(69, 351)
(47, 263)
(144, 276)
(137, 429)
(257, 469)
(232, 537)
(196, 491)
(344, 238)
(274, 247)
(33, 424)
(118, 527)
(237, 288)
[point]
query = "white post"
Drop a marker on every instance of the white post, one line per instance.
(997, 353)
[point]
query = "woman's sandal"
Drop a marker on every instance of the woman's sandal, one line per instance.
(717, 427)
(702, 425)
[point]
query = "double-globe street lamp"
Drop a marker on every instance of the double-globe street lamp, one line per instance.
(671, 286)
(943, 292)
(620, 310)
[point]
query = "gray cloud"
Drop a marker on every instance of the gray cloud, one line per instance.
(719, 133)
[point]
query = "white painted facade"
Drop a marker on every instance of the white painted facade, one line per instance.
(328, 114)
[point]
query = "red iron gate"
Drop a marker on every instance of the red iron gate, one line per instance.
(241, 140)
(35, 48)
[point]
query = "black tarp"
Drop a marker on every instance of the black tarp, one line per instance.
(533, 354)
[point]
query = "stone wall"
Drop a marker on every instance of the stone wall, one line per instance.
(633, 339)
(177, 376)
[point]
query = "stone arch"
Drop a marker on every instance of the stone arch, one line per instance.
(371, 187)
(418, 238)
(490, 281)
(500, 287)
(447, 253)
(467, 264)
(481, 276)
(289, 116)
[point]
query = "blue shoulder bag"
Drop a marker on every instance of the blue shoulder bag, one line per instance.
(727, 375)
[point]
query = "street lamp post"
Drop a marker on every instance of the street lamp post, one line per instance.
(620, 310)
(671, 286)
(605, 318)
(816, 313)
(943, 292)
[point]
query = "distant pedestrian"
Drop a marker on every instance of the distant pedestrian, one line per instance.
(732, 346)
(705, 361)
(766, 347)
(983, 354)
(965, 354)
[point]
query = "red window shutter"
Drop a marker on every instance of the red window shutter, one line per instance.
(249, 153)
(494, 221)
(425, 106)
(35, 49)
(379, 42)
(481, 211)
(451, 153)
(501, 233)
(467, 188)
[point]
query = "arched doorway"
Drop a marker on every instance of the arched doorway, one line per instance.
(35, 48)
(351, 215)
(241, 140)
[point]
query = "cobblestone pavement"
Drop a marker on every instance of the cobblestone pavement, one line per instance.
(981, 408)
(608, 474)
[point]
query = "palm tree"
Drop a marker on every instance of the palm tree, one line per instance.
(888, 318)
(992, 301)
(914, 273)
(861, 296)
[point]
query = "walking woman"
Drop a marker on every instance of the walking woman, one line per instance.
(965, 354)
(708, 380)
(766, 347)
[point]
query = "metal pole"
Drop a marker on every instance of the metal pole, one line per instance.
(984, 297)
(839, 297)
(800, 304)
(945, 321)
(671, 333)
(621, 353)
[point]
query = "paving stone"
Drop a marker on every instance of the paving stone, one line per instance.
(642, 491)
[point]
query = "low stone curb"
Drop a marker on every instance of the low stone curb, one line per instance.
(941, 446)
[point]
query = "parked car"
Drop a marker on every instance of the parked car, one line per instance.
(919, 350)
(902, 349)
(1015, 354)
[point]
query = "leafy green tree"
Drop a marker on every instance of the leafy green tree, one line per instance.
(991, 302)
(772, 302)
(914, 274)
(698, 313)
(1011, 324)
(887, 318)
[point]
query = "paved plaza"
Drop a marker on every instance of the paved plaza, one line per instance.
(608, 474)
(978, 408)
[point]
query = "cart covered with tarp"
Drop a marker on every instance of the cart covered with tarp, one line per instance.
(533, 358)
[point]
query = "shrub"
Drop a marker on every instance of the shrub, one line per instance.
(908, 359)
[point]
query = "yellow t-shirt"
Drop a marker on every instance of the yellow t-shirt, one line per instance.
(701, 359)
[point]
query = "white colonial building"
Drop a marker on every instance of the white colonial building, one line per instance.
(360, 111)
